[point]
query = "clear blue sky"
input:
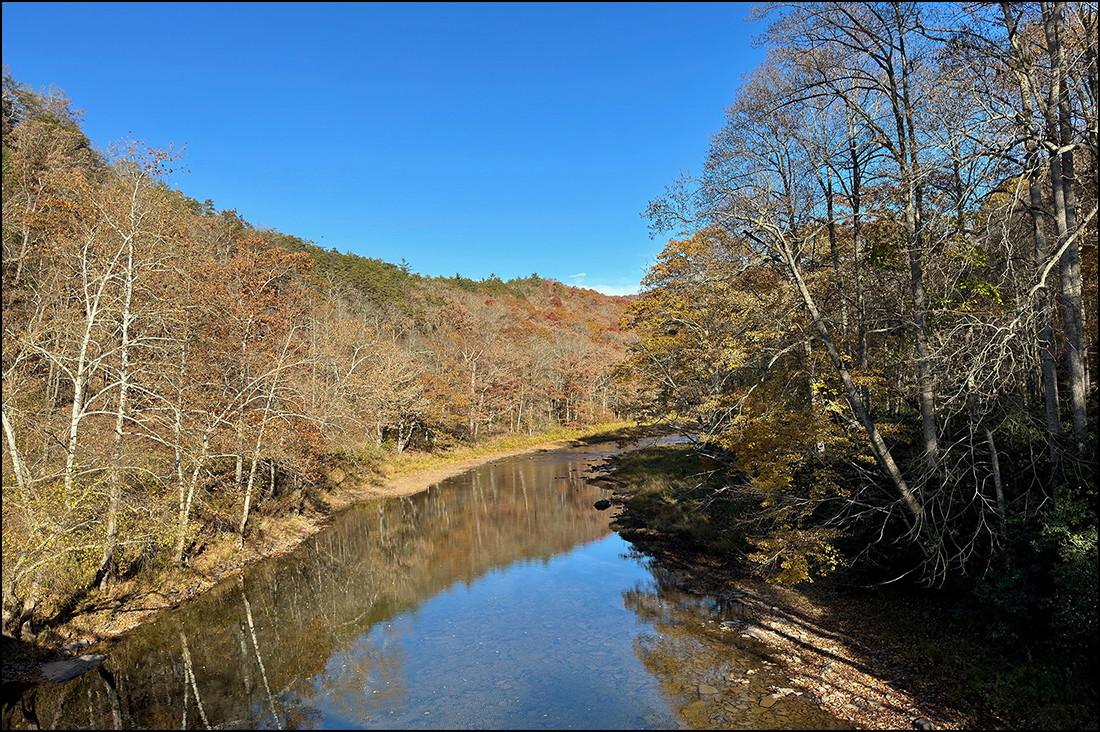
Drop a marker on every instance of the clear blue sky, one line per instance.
(470, 138)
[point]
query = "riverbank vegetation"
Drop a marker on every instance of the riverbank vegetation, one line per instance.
(173, 375)
(875, 316)
(1020, 676)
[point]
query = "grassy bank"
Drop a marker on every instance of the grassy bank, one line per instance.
(410, 462)
(678, 502)
(679, 493)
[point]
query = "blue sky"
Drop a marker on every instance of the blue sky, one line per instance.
(480, 139)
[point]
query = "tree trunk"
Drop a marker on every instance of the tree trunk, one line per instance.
(1033, 165)
(996, 464)
(13, 451)
(1065, 220)
(878, 445)
(103, 576)
(915, 236)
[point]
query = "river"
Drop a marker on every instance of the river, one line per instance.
(497, 599)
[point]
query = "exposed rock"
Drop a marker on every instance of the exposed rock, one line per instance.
(759, 634)
(602, 505)
(69, 668)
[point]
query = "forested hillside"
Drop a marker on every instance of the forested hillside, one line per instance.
(879, 307)
(169, 369)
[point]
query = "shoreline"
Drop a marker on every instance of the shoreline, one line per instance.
(85, 630)
(815, 632)
(819, 633)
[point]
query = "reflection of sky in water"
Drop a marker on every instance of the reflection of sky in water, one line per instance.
(497, 599)
(542, 644)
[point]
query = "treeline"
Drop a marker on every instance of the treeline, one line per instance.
(169, 369)
(879, 309)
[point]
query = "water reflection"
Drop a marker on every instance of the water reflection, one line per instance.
(499, 599)
(713, 676)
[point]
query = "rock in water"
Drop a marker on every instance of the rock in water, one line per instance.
(61, 671)
(602, 505)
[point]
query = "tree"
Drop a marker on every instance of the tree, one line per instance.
(918, 128)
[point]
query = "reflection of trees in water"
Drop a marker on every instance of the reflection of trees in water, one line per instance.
(712, 677)
(681, 639)
(370, 676)
(696, 665)
(255, 649)
(190, 685)
(259, 656)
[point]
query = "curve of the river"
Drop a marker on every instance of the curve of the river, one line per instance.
(496, 599)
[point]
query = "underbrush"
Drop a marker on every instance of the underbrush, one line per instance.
(1013, 647)
(1031, 683)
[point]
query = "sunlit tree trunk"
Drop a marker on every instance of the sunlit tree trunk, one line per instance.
(878, 445)
(115, 477)
(914, 231)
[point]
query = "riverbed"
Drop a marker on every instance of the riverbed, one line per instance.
(499, 598)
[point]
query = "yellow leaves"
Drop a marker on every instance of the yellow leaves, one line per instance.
(789, 556)
(829, 398)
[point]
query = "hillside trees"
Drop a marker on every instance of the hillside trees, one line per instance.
(170, 370)
(76, 320)
(377, 387)
(1042, 59)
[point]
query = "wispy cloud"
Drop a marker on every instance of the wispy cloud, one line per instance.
(615, 291)
(577, 280)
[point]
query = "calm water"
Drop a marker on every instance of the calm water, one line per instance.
(498, 599)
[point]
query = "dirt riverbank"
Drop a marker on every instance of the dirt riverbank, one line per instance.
(821, 634)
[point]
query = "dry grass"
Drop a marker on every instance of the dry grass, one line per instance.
(412, 461)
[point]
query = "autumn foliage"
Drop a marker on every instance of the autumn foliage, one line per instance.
(876, 307)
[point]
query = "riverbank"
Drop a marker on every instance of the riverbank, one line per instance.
(819, 635)
(824, 636)
(130, 603)
(831, 638)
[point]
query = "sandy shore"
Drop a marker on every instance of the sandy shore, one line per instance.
(421, 480)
